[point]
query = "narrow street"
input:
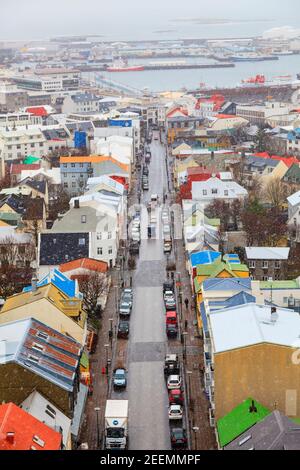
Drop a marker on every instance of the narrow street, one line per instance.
(147, 344)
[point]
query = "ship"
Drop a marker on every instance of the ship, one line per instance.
(252, 57)
(260, 80)
(122, 66)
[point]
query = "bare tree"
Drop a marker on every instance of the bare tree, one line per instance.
(59, 202)
(93, 287)
(275, 192)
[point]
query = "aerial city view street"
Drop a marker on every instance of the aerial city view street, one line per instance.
(150, 227)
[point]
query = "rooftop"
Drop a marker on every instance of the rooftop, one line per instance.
(263, 252)
(41, 350)
(85, 263)
(240, 419)
(250, 324)
(21, 431)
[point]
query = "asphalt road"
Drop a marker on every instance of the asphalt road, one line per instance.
(146, 389)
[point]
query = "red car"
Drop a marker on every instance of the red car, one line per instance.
(171, 318)
(176, 397)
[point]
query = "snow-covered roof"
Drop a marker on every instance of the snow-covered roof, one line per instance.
(263, 252)
(250, 324)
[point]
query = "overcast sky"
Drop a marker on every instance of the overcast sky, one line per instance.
(37, 19)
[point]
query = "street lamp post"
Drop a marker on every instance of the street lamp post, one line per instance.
(97, 409)
(189, 373)
(195, 430)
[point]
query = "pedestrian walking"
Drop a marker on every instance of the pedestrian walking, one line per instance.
(186, 301)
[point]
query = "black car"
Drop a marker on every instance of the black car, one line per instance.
(171, 331)
(123, 329)
(178, 438)
(168, 285)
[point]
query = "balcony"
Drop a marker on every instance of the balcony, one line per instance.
(71, 307)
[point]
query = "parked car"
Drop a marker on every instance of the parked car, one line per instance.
(134, 247)
(176, 397)
(168, 285)
(171, 318)
(168, 294)
(178, 438)
(171, 365)
(119, 378)
(174, 382)
(165, 217)
(125, 309)
(127, 298)
(171, 331)
(128, 290)
(123, 329)
(175, 412)
(170, 304)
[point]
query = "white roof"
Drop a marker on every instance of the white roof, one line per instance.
(54, 174)
(11, 336)
(250, 324)
(233, 188)
(116, 409)
(263, 252)
(294, 199)
(106, 181)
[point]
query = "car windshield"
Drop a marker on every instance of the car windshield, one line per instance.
(115, 432)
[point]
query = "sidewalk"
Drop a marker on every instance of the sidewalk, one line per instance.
(89, 431)
(199, 404)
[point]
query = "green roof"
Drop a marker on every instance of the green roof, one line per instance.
(31, 160)
(292, 284)
(213, 269)
(238, 267)
(84, 361)
(239, 420)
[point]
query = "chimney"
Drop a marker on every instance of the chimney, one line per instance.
(76, 204)
(274, 314)
(10, 437)
(252, 407)
(34, 281)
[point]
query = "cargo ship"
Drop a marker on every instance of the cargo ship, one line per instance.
(122, 66)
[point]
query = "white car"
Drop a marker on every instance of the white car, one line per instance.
(166, 228)
(175, 412)
(174, 381)
(169, 295)
(165, 217)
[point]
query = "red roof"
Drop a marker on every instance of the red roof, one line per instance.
(85, 263)
(37, 111)
(288, 161)
(181, 110)
(217, 99)
(225, 116)
(16, 168)
(21, 431)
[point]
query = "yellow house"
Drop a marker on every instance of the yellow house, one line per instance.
(51, 306)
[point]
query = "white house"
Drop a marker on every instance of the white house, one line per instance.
(214, 188)
(21, 142)
(294, 213)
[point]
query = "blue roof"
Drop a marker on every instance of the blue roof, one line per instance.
(232, 258)
(204, 257)
(59, 280)
(240, 298)
(235, 283)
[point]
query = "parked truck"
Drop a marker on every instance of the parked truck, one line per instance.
(116, 424)
(167, 243)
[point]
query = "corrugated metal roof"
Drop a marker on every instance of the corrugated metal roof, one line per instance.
(262, 252)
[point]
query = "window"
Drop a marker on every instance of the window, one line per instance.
(277, 264)
(37, 347)
(214, 191)
(110, 250)
(265, 264)
(99, 251)
(99, 236)
(42, 334)
(33, 358)
(225, 192)
(65, 175)
(251, 263)
(73, 165)
(265, 278)
(73, 184)
(65, 185)
(50, 411)
(109, 235)
(83, 219)
(204, 192)
(65, 165)
(81, 241)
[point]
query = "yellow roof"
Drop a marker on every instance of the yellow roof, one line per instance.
(69, 306)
